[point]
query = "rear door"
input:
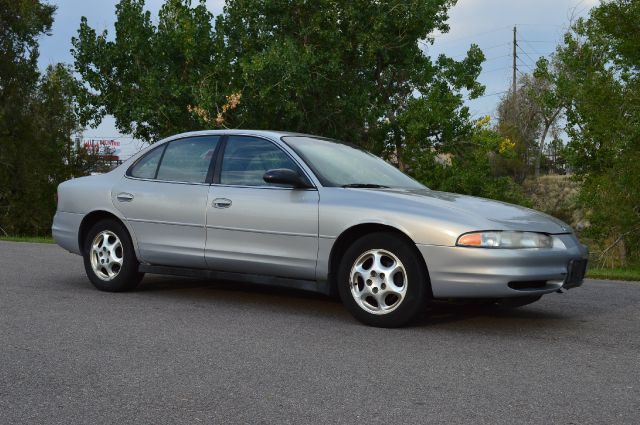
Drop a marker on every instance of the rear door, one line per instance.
(255, 227)
(164, 199)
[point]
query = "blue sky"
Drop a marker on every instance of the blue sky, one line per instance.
(488, 23)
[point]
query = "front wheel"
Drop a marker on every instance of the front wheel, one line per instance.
(382, 281)
(109, 259)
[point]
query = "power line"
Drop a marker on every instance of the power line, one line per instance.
(484, 49)
(537, 52)
(533, 48)
(489, 94)
(524, 64)
(541, 25)
(497, 57)
(494, 46)
(526, 54)
(494, 70)
(476, 34)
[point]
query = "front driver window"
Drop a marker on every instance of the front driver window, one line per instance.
(246, 159)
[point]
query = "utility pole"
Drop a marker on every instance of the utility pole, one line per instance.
(515, 44)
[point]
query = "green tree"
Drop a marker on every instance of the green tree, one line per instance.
(346, 69)
(37, 121)
(57, 121)
(149, 75)
(542, 89)
(21, 22)
(519, 120)
(474, 168)
(600, 81)
(529, 115)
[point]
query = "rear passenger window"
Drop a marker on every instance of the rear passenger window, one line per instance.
(146, 167)
(188, 160)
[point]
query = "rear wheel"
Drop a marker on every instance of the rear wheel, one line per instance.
(109, 259)
(382, 281)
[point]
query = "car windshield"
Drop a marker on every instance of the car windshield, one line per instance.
(339, 164)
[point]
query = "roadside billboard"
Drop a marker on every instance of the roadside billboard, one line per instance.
(108, 148)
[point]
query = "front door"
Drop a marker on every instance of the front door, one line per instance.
(164, 199)
(258, 228)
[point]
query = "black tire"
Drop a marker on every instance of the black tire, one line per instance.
(418, 288)
(517, 301)
(127, 277)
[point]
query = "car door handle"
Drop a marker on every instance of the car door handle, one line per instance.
(124, 197)
(221, 203)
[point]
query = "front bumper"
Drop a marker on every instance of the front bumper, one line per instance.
(461, 272)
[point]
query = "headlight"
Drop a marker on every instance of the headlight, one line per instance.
(505, 239)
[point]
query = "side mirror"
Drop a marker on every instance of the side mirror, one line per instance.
(287, 177)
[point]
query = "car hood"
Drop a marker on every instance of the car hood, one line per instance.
(484, 214)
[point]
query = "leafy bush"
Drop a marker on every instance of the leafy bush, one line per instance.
(471, 167)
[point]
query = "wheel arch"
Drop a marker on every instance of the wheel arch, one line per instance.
(97, 215)
(354, 232)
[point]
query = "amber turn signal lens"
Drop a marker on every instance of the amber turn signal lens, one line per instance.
(470, 239)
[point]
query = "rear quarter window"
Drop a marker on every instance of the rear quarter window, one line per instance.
(147, 166)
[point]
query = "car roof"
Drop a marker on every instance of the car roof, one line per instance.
(265, 133)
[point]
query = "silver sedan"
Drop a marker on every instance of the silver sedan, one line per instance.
(311, 213)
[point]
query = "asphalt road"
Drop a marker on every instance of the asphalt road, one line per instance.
(187, 351)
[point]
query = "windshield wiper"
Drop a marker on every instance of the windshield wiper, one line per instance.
(366, 185)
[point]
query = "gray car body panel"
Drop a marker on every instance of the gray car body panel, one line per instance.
(290, 232)
(282, 241)
(167, 218)
(77, 199)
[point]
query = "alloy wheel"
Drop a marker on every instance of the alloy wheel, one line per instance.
(378, 281)
(106, 255)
